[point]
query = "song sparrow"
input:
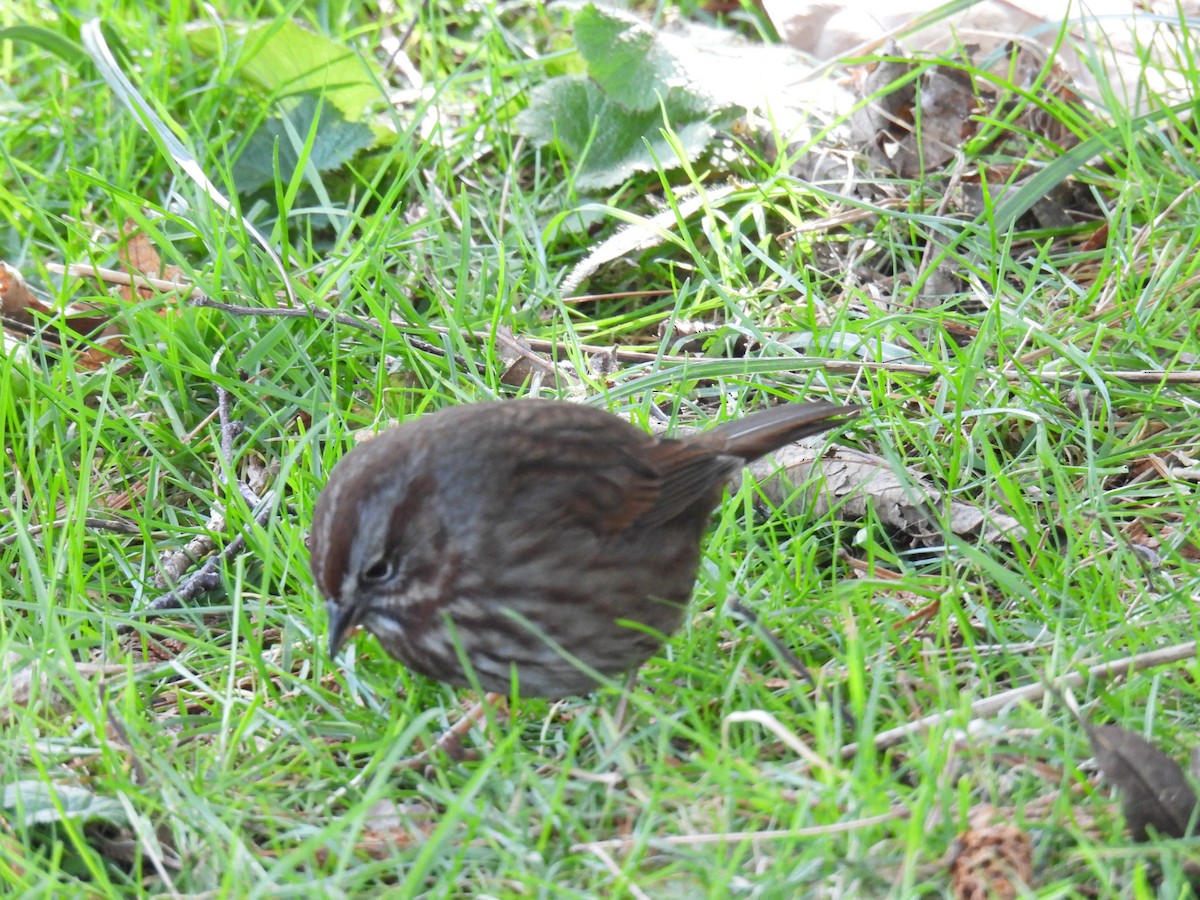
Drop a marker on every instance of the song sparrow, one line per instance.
(537, 535)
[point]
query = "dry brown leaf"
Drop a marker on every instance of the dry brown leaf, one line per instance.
(17, 302)
(604, 363)
(141, 258)
(389, 827)
(1143, 53)
(943, 100)
(693, 335)
(110, 343)
(88, 320)
(514, 352)
(1154, 791)
(20, 309)
(852, 481)
(523, 365)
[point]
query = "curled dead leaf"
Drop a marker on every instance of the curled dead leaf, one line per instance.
(17, 301)
(23, 312)
(522, 364)
(851, 481)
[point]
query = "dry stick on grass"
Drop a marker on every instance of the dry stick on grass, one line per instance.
(208, 576)
(621, 879)
(450, 740)
(737, 837)
(120, 526)
(834, 366)
(1031, 693)
(172, 564)
(786, 654)
(196, 297)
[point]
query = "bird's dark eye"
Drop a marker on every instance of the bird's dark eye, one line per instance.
(381, 570)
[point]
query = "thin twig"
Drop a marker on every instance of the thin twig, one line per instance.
(616, 295)
(128, 279)
(786, 654)
(230, 429)
(196, 297)
(120, 526)
(622, 879)
(287, 312)
(450, 740)
(412, 24)
(1031, 693)
(729, 837)
(833, 366)
(206, 578)
(777, 728)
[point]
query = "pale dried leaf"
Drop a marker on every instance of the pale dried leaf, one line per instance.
(604, 363)
(1144, 51)
(34, 802)
(852, 481)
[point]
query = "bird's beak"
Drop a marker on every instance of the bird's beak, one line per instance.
(341, 622)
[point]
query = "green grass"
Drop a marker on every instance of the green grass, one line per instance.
(221, 753)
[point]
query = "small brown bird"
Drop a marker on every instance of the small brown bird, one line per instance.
(540, 537)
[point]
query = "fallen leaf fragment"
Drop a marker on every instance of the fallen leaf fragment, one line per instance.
(1155, 793)
(852, 482)
(36, 802)
(16, 300)
(21, 310)
(141, 258)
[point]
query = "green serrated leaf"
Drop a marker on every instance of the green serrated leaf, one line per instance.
(335, 141)
(610, 141)
(624, 58)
